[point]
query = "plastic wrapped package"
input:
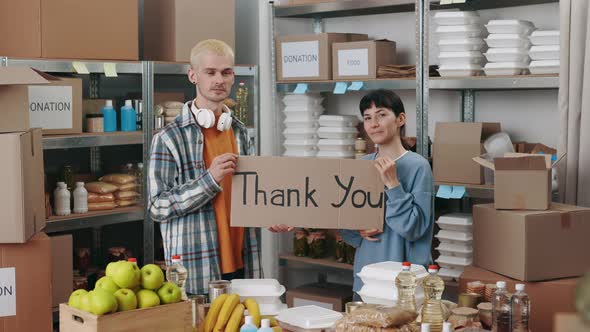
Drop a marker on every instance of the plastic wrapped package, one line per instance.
(381, 316)
(498, 144)
(118, 178)
(343, 326)
(100, 198)
(101, 206)
(129, 187)
(126, 195)
(100, 187)
(126, 202)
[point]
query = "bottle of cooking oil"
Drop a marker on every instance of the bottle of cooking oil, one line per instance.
(177, 274)
(406, 287)
(432, 311)
(241, 111)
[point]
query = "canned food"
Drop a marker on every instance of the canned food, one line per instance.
(218, 287)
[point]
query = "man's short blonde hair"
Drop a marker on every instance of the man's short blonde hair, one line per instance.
(211, 46)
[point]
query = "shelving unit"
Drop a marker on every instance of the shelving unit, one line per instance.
(483, 191)
(324, 262)
(87, 140)
(57, 224)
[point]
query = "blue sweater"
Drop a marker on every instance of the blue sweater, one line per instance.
(409, 219)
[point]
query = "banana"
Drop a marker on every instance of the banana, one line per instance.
(272, 319)
(228, 307)
(233, 324)
(214, 310)
(277, 329)
(253, 310)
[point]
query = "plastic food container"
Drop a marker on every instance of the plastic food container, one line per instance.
(300, 153)
(544, 67)
(383, 274)
(459, 31)
(338, 145)
(454, 262)
(264, 291)
(510, 26)
(508, 55)
(449, 274)
(456, 18)
(301, 144)
(309, 317)
(300, 133)
(461, 58)
(272, 309)
(304, 108)
(545, 37)
(336, 154)
(301, 124)
(505, 68)
(546, 52)
(301, 116)
(461, 44)
(455, 237)
(387, 296)
(337, 132)
(508, 40)
(460, 71)
(338, 121)
(451, 250)
(459, 222)
(303, 100)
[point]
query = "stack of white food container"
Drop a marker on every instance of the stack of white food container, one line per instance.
(309, 318)
(460, 41)
(545, 52)
(456, 244)
(267, 292)
(302, 112)
(379, 283)
(337, 134)
(508, 47)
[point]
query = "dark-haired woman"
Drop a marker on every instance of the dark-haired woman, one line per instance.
(407, 177)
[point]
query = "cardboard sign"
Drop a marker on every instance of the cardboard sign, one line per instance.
(301, 59)
(307, 192)
(7, 292)
(353, 62)
(50, 107)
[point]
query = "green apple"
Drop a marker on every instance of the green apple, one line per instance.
(75, 297)
(103, 302)
(126, 299)
(169, 293)
(111, 268)
(124, 275)
(147, 298)
(137, 272)
(107, 283)
(152, 277)
(86, 303)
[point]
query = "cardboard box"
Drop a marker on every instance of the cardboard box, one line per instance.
(547, 297)
(522, 181)
(329, 296)
(33, 99)
(173, 27)
(62, 269)
(455, 145)
(169, 317)
(360, 60)
(313, 193)
(532, 245)
(570, 322)
(106, 29)
(23, 197)
(20, 27)
(25, 277)
(308, 57)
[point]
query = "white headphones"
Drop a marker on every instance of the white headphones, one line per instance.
(206, 118)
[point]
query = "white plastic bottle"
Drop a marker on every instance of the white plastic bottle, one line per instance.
(80, 198)
(265, 326)
(424, 327)
(177, 274)
(520, 308)
(249, 325)
(62, 200)
(447, 327)
(500, 309)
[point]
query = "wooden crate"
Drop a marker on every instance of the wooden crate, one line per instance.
(170, 317)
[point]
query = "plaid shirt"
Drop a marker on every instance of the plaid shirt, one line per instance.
(181, 192)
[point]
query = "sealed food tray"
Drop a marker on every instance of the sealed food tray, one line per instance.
(508, 40)
(337, 132)
(461, 44)
(459, 31)
(459, 222)
(461, 58)
(505, 68)
(338, 121)
(457, 18)
(544, 67)
(460, 71)
(520, 27)
(309, 317)
(545, 37)
(507, 55)
(546, 52)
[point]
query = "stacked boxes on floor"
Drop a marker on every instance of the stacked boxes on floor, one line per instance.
(460, 43)
(456, 244)
(337, 134)
(301, 121)
(508, 47)
(545, 52)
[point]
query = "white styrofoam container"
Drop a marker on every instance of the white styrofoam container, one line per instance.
(386, 296)
(508, 40)
(454, 250)
(510, 26)
(455, 237)
(459, 31)
(456, 262)
(460, 71)
(337, 132)
(544, 67)
(507, 55)
(301, 144)
(461, 44)
(301, 124)
(301, 116)
(456, 18)
(449, 274)
(300, 153)
(309, 317)
(459, 222)
(267, 288)
(545, 52)
(383, 274)
(300, 133)
(303, 99)
(505, 68)
(461, 58)
(335, 154)
(338, 145)
(338, 121)
(462, 246)
(545, 37)
(305, 108)
(272, 309)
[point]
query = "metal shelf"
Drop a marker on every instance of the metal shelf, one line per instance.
(87, 140)
(181, 68)
(373, 7)
(481, 191)
(94, 219)
(326, 262)
(522, 82)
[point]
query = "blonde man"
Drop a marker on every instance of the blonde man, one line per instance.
(190, 173)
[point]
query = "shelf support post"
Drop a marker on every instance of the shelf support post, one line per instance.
(147, 83)
(468, 105)
(422, 72)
